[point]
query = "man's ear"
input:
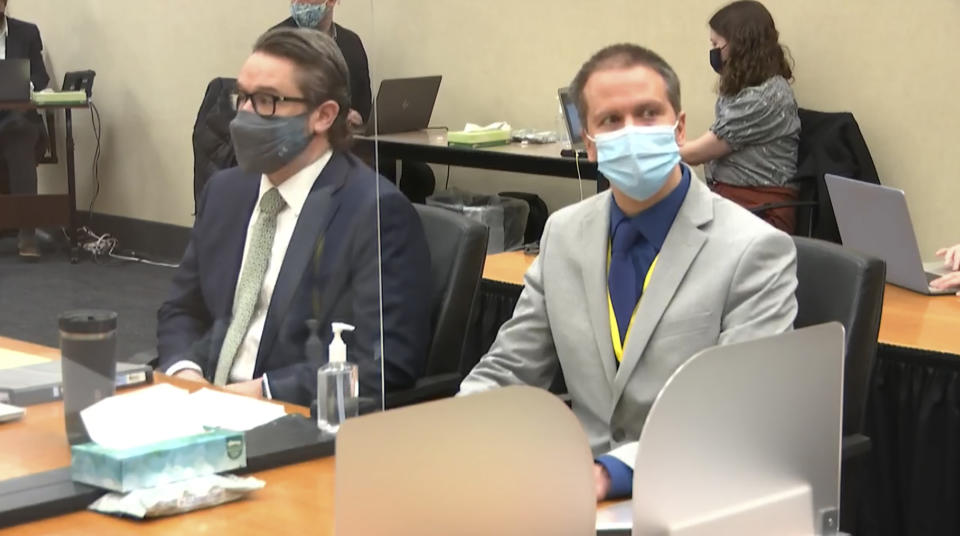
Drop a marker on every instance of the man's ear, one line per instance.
(589, 145)
(682, 128)
(322, 119)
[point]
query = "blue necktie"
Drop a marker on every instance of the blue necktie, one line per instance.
(624, 280)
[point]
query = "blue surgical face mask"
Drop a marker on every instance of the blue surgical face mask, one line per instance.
(637, 160)
(266, 144)
(308, 15)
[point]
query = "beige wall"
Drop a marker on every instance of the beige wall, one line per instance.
(890, 62)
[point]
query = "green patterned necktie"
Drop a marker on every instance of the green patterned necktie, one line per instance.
(251, 282)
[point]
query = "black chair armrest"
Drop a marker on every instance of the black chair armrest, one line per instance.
(425, 390)
(854, 446)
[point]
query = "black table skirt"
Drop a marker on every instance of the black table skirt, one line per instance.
(912, 485)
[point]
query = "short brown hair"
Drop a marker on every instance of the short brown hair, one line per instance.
(755, 53)
(624, 56)
(322, 73)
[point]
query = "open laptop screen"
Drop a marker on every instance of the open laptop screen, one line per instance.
(572, 117)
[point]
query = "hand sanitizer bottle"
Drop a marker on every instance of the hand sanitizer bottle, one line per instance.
(337, 385)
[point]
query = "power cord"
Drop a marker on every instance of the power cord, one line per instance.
(97, 125)
(104, 247)
(447, 185)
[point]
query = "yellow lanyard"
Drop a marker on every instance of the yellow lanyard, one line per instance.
(614, 328)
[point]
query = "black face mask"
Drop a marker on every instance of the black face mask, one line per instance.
(716, 59)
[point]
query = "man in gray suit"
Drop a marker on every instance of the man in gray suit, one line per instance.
(632, 282)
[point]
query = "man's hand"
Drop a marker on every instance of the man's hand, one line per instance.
(354, 119)
(950, 280)
(601, 480)
(951, 257)
(191, 375)
(252, 388)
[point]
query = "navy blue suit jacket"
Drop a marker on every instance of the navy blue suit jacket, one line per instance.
(330, 273)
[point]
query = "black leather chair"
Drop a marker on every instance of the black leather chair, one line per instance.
(830, 142)
(458, 250)
(837, 284)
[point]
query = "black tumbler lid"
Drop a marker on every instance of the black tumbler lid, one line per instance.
(88, 321)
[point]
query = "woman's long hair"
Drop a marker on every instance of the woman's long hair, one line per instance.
(754, 50)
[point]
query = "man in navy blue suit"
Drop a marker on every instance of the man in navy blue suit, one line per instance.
(292, 235)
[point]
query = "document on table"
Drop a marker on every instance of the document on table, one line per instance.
(12, 359)
(233, 412)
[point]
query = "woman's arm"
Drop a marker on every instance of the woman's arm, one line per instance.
(704, 149)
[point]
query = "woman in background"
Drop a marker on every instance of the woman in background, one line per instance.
(750, 151)
(951, 259)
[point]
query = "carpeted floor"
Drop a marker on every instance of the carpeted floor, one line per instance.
(32, 295)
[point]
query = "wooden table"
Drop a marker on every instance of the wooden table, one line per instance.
(909, 319)
(918, 321)
(431, 146)
(298, 499)
(47, 209)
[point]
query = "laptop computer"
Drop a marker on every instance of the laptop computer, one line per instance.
(14, 80)
(571, 119)
(36, 384)
(404, 105)
(874, 220)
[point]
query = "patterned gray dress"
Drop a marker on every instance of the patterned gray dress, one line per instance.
(761, 125)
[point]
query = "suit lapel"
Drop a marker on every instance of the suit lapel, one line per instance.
(594, 235)
(318, 211)
(247, 191)
(681, 247)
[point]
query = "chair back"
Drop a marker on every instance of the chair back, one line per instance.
(838, 284)
(458, 251)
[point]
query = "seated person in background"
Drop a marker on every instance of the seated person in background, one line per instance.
(750, 151)
(318, 15)
(291, 236)
(417, 180)
(632, 282)
(951, 259)
(20, 131)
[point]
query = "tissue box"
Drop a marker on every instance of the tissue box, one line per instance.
(478, 138)
(160, 463)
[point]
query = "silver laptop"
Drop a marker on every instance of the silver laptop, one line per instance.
(874, 220)
(404, 105)
(14, 80)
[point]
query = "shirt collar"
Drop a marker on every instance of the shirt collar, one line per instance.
(295, 190)
(654, 223)
(4, 27)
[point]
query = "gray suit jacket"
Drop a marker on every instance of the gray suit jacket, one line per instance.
(723, 276)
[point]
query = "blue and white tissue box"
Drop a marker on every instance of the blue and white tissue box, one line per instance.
(160, 463)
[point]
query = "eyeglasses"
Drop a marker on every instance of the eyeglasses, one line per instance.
(264, 104)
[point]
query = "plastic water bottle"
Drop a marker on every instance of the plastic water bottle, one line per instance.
(338, 385)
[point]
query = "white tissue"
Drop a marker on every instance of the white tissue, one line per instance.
(163, 412)
(142, 417)
(499, 125)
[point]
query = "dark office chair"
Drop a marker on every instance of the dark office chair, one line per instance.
(212, 145)
(458, 250)
(837, 284)
(829, 143)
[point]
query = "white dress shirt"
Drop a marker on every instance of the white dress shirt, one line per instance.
(294, 192)
(3, 39)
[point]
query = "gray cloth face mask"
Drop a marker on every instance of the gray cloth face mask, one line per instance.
(266, 144)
